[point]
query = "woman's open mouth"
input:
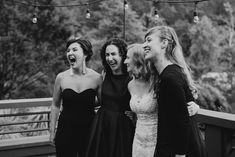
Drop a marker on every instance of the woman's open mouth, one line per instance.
(146, 50)
(72, 59)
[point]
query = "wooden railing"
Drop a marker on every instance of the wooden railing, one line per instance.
(219, 131)
(19, 115)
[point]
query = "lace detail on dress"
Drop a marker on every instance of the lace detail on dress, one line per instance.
(146, 127)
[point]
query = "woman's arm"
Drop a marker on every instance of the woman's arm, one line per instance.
(100, 81)
(98, 97)
(174, 105)
(55, 107)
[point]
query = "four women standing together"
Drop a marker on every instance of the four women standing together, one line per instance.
(112, 133)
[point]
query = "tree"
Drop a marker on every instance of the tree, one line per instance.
(29, 50)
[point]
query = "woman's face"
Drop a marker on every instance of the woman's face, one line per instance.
(129, 61)
(152, 46)
(113, 59)
(75, 55)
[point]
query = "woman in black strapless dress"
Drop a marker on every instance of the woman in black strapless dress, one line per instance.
(76, 90)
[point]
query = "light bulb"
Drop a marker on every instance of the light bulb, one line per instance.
(88, 14)
(34, 20)
(195, 17)
(126, 4)
(156, 16)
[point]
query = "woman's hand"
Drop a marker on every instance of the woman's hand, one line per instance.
(132, 116)
(193, 108)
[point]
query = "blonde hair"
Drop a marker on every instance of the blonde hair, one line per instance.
(142, 69)
(174, 51)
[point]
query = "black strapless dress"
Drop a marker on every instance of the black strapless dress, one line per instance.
(75, 120)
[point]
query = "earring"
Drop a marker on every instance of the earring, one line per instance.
(71, 71)
(84, 70)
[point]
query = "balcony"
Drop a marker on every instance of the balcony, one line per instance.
(219, 130)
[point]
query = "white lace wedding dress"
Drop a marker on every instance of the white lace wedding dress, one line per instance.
(146, 127)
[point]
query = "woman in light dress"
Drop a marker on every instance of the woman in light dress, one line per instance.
(143, 102)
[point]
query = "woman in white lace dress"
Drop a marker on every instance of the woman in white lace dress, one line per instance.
(143, 102)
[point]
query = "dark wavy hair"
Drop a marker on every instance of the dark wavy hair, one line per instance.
(122, 48)
(85, 45)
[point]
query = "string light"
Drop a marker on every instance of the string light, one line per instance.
(126, 4)
(195, 15)
(88, 14)
(156, 16)
(68, 5)
(34, 19)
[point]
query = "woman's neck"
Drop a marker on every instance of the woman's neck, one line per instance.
(142, 84)
(78, 71)
(161, 64)
(119, 72)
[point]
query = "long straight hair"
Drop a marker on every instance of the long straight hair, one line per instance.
(174, 51)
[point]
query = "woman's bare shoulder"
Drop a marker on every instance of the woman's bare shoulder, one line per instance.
(62, 74)
(95, 75)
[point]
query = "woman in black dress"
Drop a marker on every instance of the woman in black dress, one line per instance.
(76, 89)
(178, 134)
(113, 131)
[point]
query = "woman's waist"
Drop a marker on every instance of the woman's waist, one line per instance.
(115, 108)
(147, 117)
(76, 116)
(73, 111)
(146, 134)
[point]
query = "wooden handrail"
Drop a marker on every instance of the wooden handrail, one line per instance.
(24, 131)
(23, 103)
(28, 122)
(219, 119)
(25, 114)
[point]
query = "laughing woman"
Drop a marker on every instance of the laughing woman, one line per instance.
(76, 89)
(112, 131)
(178, 133)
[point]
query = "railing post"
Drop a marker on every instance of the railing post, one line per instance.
(213, 137)
(48, 118)
(219, 141)
(228, 143)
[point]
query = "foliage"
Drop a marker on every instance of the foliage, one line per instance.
(22, 119)
(224, 83)
(212, 98)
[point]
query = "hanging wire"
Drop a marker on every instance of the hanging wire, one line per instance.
(179, 1)
(68, 5)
